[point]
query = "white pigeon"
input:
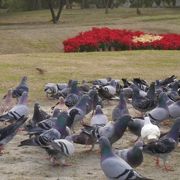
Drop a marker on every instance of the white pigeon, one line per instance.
(150, 131)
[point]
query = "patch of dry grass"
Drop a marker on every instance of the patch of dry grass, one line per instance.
(61, 67)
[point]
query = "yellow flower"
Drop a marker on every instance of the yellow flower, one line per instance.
(146, 38)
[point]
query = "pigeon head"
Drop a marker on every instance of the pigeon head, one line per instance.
(105, 147)
(98, 110)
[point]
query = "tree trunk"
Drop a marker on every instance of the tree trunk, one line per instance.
(107, 6)
(55, 18)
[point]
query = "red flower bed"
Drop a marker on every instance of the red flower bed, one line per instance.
(101, 39)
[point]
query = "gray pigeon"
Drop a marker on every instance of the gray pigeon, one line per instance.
(21, 88)
(58, 123)
(58, 149)
(114, 167)
(114, 130)
(142, 103)
(165, 145)
(19, 110)
(133, 155)
(174, 109)
(43, 139)
(78, 112)
(161, 112)
(73, 97)
(121, 109)
(7, 133)
(135, 125)
(99, 118)
(38, 116)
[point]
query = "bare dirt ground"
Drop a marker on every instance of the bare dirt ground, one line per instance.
(30, 163)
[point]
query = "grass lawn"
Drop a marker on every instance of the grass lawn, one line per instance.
(30, 40)
(61, 67)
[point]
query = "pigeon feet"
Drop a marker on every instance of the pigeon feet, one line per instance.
(157, 163)
(168, 168)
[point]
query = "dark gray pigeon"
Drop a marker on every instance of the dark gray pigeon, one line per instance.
(19, 110)
(7, 133)
(135, 125)
(43, 139)
(133, 155)
(114, 167)
(121, 109)
(165, 145)
(114, 130)
(58, 123)
(140, 103)
(161, 112)
(38, 116)
(21, 88)
(73, 97)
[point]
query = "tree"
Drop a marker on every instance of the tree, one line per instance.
(60, 5)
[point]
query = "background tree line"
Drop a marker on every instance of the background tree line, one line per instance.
(17, 5)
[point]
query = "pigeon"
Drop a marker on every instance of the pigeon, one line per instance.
(7, 133)
(101, 82)
(58, 123)
(58, 149)
(19, 110)
(160, 112)
(173, 91)
(174, 109)
(51, 90)
(142, 84)
(21, 88)
(165, 145)
(73, 97)
(142, 104)
(95, 100)
(150, 131)
(99, 118)
(78, 112)
(167, 80)
(60, 105)
(133, 155)
(135, 125)
(114, 130)
(109, 91)
(43, 139)
(38, 116)
(7, 102)
(84, 86)
(121, 109)
(114, 167)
